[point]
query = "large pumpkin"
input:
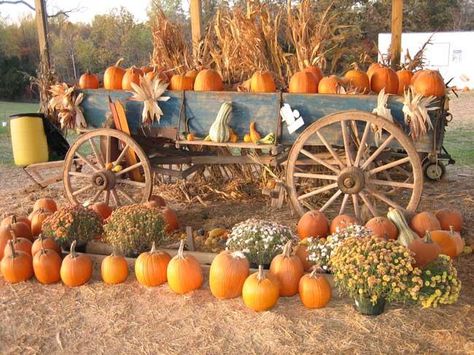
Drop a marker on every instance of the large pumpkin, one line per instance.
(88, 81)
(430, 83)
(21, 229)
(227, 274)
(184, 272)
(114, 269)
(424, 222)
(416, 75)
(313, 224)
(329, 85)
(404, 80)
(382, 227)
(132, 75)
(314, 290)
(425, 250)
(316, 71)
(262, 81)
(76, 269)
(37, 220)
(358, 80)
(342, 222)
(45, 203)
(449, 217)
(181, 82)
(17, 266)
(47, 266)
(384, 78)
(208, 80)
(43, 242)
(113, 76)
(372, 68)
(151, 266)
(288, 269)
(303, 82)
(260, 292)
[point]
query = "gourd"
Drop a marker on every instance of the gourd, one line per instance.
(254, 135)
(46, 204)
(448, 218)
(313, 224)
(184, 272)
(227, 274)
(425, 250)
(424, 221)
(151, 266)
(219, 131)
(341, 222)
(406, 235)
(47, 266)
(260, 292)
(314, 290)
(114, 269)
(382, 227)
(288, 269)
(46, 243)
(76, 269)
(17, 266)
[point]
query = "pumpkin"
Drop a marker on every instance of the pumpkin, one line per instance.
(227, 274)
(429, 83)
(316, 71)
(262, 81)
(37, 220)
(313, 224)
(329, 85)
(46, 243)
(114, 269)
(303, 82)
(20, 244)
(382, 227)
(314, 290)
(358, 80)
(423, 222)
(8, 220)
(150, 267)
(384, 78)
(288, 269)
(132, 75)
(102, 209)
(260, 292)
(171, 219)
(113, 76)
(147, 69)
(157, 73)
(341, 222)
(372, 68)
(302, 253)
(45, 203)
(156, 201)
(21, 229)
(17, 266)
(425, 250)
(416, 75)
(450, 242)
(208, 80)
(181, 82)
(5, 236)
(47, 266)
(184, 272)
(76, 268)
(192, 74)
(449, 217)
(404, 80)
(88, 81)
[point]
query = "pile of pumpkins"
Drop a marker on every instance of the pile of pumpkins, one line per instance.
(311, 80)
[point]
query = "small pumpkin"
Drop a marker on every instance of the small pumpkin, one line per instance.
(8, 220)
(151, 266)
(262, 81)
(288, 269)
(450, 217)
(5, 236)
(156, 201)
(88, 81)
(157, 73)
(47, 266)
(302, 253)
(313, 224)
(227, 274)
(341, 222)
(423, 222)
(102, 209)
(76, 269)
(113, 76)
(45, 242)
(47, 204)
(372, 68)
(114, 269)
(208, 80)
(171, 219)
(132, 75)
(21, 229)
(404, 80)
(329, 85)
(20, 244)
(260, 292)
(416, 75)
(192, 74)
(358, 80)
(425, 250)
(429, 83)
(17, 266)
(315, 290)
(181, 82)
(450, 242)
(37, 220)
(384, 78)
(316, 71)
(303, 82)
(382, 227)
(184, 272)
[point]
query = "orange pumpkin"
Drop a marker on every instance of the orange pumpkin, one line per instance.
(17, 266)
(181, 82)
(430, 83)
(372, 68)
(450, 242)
(416, 74)
(423, 222)
(47, 204)
(46, 243)
(450, 217)
(156, 201)
(5, 236)
(102, 209)
(329, 85)
(20, 244)
(425, 250)
(262, 81)
(76, 269)
(260, 292)
(358, 80)
(288, 269)
(47, 266)
(208, 80)
(113, 76)
(8, 220)
(314, 290)
(313, 224)
(316, 71)
(171, 219)
(184, 272)
(37, 220)
(404, 80)
(114, 269)
(21, 229)
(384, 78)
(302, 253)
(88, 81)
(192, 74)
(303, 82)
(132, 75)
(157, 73)
(341, 222)
(227, 274)
(151, 266)
(382, 227)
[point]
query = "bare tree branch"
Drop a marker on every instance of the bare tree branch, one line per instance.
(31, 7)
(14, 2)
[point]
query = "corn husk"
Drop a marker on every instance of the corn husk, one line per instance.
(66, 104)
(149, 92)
(381, 110)
(416, 109)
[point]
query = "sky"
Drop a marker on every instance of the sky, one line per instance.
(87, 9)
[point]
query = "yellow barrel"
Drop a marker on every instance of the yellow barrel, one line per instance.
(29, 142)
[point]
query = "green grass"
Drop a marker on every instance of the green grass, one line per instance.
(460, 144)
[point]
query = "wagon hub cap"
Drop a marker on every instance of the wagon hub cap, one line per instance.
(351, 180)
(104, 180)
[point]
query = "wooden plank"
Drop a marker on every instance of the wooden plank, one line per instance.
(42, 30)
(397, 25)
(227, 144)
(204, 160)
(195, 10)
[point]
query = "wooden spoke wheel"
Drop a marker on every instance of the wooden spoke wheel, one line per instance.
(355, 163)
(113, 169)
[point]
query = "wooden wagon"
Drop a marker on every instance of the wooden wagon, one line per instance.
(343, 160)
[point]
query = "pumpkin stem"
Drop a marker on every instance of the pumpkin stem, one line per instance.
(119, 62)
(181, 249)
(287, 249)
(260, 275)
(427, 238)
(451, 231)
(314, 272)
(73, 249)
(13, 219)
(12, 248)
(12, 233)
(153, 248)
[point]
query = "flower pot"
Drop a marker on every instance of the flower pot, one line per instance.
(366, 307)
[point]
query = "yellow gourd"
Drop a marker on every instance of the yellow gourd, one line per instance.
(247, 138)
(254, 135)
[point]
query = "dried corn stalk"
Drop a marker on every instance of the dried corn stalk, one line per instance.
(382, 110)
(149, 92)
(67, 105)
(416, 109)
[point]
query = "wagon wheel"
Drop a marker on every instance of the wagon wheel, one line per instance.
(336, 165)
(103, 176)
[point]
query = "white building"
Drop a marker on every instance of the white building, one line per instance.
(452, 53)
